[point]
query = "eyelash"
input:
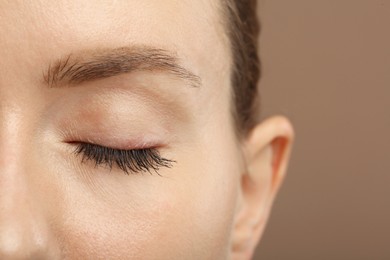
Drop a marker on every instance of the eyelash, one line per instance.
(129, 161)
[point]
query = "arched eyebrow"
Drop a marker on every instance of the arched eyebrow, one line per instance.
(103, 63)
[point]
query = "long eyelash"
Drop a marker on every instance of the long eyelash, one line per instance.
(129, 161)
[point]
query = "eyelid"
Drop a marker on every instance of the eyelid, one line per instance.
(129, 161)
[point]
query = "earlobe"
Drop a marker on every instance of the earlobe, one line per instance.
(266, 150)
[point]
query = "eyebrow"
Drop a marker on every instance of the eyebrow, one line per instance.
(92, 65)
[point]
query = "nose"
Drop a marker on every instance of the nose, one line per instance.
(24, 233)
(24, 225)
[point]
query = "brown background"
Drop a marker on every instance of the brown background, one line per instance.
(326, 65)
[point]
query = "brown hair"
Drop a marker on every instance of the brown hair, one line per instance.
(243, 32)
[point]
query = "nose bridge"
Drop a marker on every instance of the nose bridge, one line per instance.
(12, 139)
(24, 230)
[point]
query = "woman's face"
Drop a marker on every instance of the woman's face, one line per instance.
(53, 198)
(117, 140)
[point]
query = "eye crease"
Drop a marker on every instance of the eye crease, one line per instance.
(129, 161)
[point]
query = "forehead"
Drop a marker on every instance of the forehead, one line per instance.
(51, 29)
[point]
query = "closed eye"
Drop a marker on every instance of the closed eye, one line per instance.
(129, 161)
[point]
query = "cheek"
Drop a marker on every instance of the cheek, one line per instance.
(127, 226)
(103, 232)
(186, 214)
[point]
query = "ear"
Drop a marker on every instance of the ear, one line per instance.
(266, 151)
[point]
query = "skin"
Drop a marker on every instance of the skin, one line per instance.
(212, 203)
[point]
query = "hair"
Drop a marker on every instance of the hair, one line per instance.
(243, 31)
